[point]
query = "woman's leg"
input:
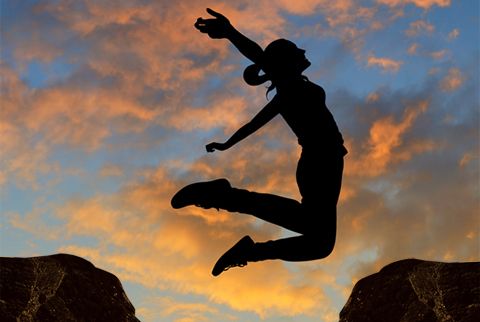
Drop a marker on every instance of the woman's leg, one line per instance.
(294, 249)
(315, 218)
(219, 194)
(285, 212)
(319, 180)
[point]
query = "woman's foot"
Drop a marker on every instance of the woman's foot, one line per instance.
(201, 194)
(235, 256)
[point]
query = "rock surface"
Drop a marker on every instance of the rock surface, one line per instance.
(60, 288)
(412, 290)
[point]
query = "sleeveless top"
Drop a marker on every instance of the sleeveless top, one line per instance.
(303, 108)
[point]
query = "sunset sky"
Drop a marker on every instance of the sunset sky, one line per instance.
(106, 107)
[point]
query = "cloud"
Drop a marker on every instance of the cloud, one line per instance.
(419, 27)
(373, 97)
(386, 64)
(466, 159)
(180, 248)
(111, 88)
(438, 55)
(385, 138)
(453, 80)
(111, 170)
(453, 34)
(141, 78)
(425, 4)
(187, 311)
(412, 50)
(142, 240)
(225, 113)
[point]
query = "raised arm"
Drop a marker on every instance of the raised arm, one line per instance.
(262, 118)
(220, 27)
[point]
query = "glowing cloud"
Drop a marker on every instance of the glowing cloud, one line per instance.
(425, 4)
(386, 64)
(453, 80)
(385, 139)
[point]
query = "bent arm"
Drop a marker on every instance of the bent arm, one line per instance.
(264, 116)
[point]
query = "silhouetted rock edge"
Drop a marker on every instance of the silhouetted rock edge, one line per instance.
(417, 290)
(60, 287)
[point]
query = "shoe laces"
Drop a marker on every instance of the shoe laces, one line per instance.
(234, 265)
(205, 206)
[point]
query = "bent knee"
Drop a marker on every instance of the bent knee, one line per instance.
(323, 247)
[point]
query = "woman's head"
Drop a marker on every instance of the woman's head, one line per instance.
(282, 59)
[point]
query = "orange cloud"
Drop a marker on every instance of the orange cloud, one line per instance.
(373, 97)
(425, 4)
(385, 135)
(385, 139)
(133, 51)
(452, 81)
(164, 249)
(226, 113)
(412, 50)
(419, 27)
(186, 311)
(466, 159)
(22, 161)
(439, 54)
(386, 64)
(111, 170)
(304, 7)
(79, 118)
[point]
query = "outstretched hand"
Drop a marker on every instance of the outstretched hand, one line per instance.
(211, 147)
(216, 28)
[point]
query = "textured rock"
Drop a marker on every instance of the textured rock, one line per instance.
(412, 290)
(60, 288)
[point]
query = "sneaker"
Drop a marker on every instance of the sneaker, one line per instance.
(201, 194)
(234, 257)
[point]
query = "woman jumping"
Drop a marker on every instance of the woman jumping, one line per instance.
(319, 172)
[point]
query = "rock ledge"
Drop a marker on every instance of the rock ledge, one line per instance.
(60, 287)
(415, 290)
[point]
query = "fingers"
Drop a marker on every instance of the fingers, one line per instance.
(215, 14)
(201, 25)
(209, 147)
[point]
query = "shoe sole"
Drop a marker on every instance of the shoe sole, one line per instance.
(219, 265)
(185, 195)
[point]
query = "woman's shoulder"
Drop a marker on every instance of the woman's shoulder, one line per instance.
(314, 88)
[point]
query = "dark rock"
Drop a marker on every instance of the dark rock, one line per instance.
(60, 288)
(412, 290)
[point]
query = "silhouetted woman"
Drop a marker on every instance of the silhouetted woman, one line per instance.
(319, 173)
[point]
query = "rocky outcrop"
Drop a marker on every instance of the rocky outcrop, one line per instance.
(412, 290)
(60, 288)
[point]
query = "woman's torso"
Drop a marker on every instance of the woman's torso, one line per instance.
(302, 105)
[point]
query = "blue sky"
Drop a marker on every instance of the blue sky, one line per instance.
(106, 108)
